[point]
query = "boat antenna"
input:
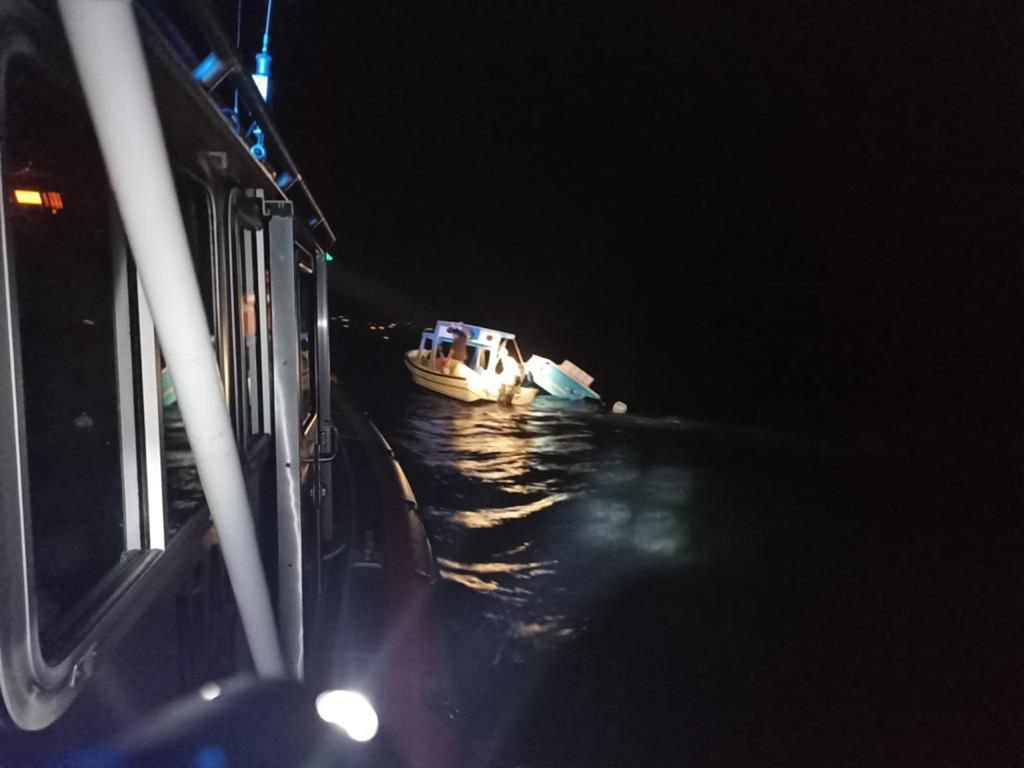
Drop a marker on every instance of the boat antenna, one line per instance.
(266, 27)
(238, 43)
(262, 76)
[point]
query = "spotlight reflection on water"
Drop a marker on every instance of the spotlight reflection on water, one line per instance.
(489, 518)
(539, 514)
(470, 581)
(607, 521)
(536, 629)
(488, 567)
(470, 575)
(658, 534)
(617, 525)
(670, 486)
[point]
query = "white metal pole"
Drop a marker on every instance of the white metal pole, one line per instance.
(108, 54)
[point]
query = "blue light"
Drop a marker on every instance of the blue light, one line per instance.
(284, 179)
(263, 64)
(207, 69)
(210, 757)
(262, 76)
(259, 151)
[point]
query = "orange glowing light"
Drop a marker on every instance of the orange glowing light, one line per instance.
(53, 201)
(28, 197)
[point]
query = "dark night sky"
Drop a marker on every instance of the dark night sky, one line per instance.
(805, 208)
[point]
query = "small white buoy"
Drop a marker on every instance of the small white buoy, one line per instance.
(619, 407)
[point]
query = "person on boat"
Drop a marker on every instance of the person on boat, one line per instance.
(507, 370)
(458, 353)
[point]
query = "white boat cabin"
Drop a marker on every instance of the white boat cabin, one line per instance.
(484, 348)
(470, 363)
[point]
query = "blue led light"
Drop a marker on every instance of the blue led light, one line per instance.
(258, 150)
(262, 76)
(207, 69)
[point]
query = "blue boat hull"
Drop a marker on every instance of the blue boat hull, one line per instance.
(550, 378)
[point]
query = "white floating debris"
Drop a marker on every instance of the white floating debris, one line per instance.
(83, 420)
(619, 407)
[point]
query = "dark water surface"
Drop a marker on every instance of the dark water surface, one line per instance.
(622, 590)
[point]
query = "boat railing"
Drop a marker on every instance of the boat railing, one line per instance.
(223, 65)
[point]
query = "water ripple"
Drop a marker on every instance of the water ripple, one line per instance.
(489, 567)
(489, 518)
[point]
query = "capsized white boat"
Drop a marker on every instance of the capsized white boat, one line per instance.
(470, 362)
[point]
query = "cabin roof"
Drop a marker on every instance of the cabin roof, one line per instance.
(477, 335)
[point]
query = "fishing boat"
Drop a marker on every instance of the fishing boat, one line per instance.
(566, 381)
(470, 363)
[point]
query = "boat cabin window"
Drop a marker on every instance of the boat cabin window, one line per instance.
(482, 358)
(183, 491)
(197, 213)
(59, 229)
(307, 344)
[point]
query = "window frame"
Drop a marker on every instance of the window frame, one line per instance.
(249, 257)
(186, 183)
(37, 686)
(307, 306)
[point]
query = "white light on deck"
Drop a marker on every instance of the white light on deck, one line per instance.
(209, 691)
(350, 711)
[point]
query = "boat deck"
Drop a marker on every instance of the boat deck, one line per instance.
(383, 638)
